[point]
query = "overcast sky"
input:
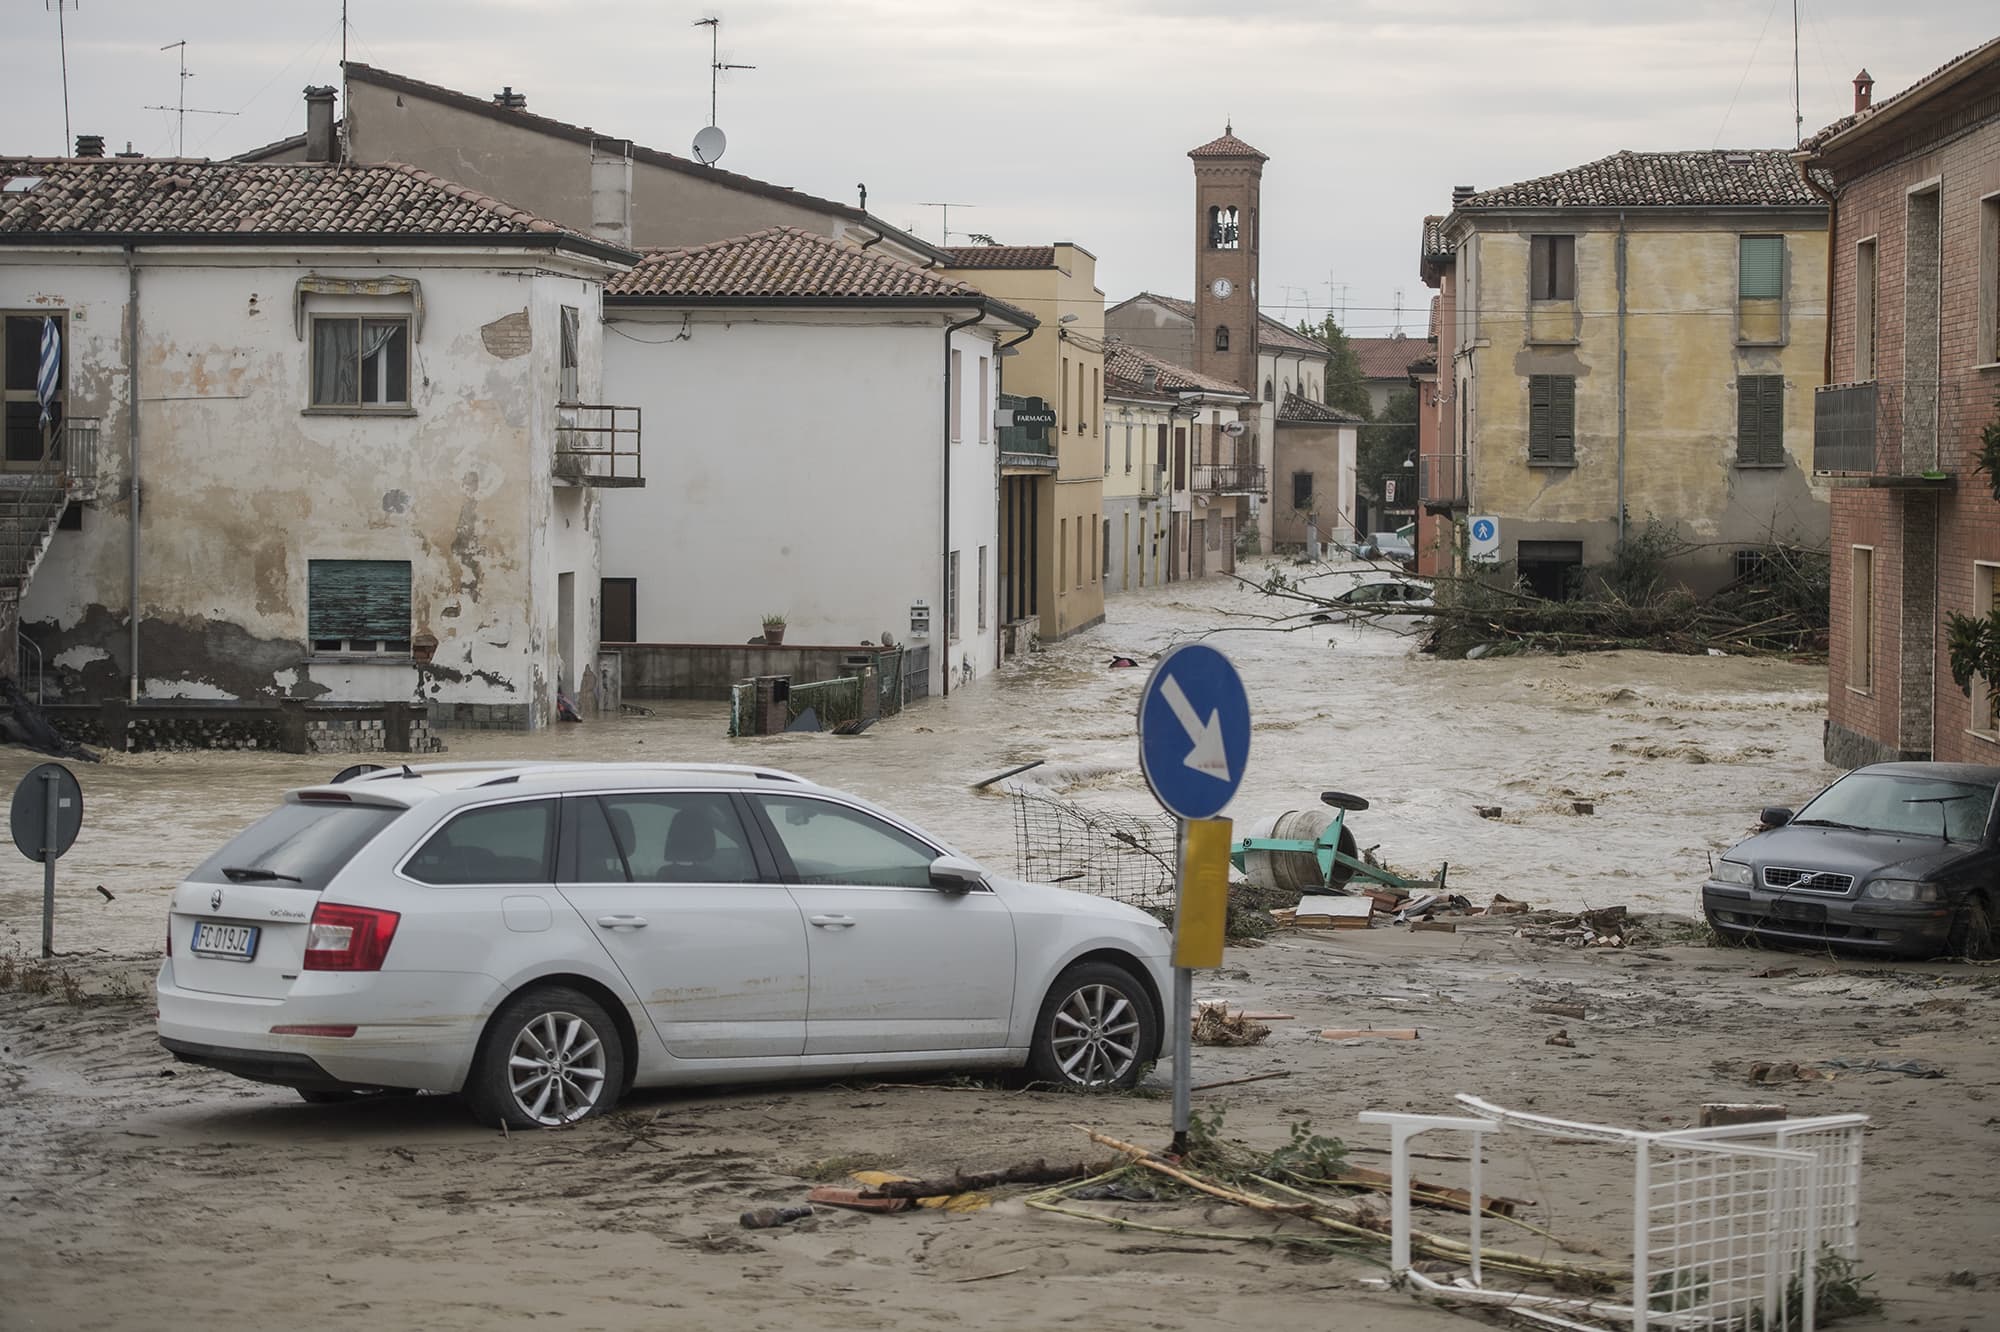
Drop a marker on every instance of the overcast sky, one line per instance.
(1055, 119)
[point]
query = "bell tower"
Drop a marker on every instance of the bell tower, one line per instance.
(1228, 174)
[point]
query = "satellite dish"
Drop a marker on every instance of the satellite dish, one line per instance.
(708, 146)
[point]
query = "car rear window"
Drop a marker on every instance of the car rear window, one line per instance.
(299, 845)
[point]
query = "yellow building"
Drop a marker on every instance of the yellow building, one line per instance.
(1637, 340)
(1052, 551)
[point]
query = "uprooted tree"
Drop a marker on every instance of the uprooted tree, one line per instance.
(1777, 604)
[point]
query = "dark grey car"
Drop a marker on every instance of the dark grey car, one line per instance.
(1894, 858)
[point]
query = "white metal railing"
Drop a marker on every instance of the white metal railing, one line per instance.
(1729, 1224)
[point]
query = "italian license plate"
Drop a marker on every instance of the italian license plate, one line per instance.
(1805, 913)
(238, 943)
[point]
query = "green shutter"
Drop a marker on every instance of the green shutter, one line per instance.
(1771, 421)
(1562, 411)
(1760, 419)
(1539, 425)
(358, 600)
(1748, 397)
(1761, 267)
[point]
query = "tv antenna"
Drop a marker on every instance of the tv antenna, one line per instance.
(180, 108)
(62, 47)
(710, 142)
(944, 223)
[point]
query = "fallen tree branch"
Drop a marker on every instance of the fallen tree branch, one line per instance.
(1033, 1172)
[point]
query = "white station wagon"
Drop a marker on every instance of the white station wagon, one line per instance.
(543, 937)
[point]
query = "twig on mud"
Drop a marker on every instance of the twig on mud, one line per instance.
(987, 1276)
(1234, 1082)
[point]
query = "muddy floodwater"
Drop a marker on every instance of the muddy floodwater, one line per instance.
(1675, 754)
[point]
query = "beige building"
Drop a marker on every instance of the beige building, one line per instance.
(586, 179)
(1052, 535)
(1635, 340)
(1159, 417)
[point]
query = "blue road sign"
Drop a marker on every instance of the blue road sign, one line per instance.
(1194, 731)
(1483, 529)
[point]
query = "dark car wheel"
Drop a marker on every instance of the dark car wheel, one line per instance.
(550, 1057)
(1972, 929)
(1097, 1028)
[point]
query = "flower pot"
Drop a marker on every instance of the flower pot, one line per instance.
(774, 635)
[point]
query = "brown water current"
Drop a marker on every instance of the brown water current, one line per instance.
(1676, 753)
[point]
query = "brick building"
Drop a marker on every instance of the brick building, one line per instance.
(1913, 376)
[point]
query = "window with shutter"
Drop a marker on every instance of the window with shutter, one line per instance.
(1760, 420)
(1552, 419)
(1552, 268)
(1760, 272)
(1302, 491)
(358, 606)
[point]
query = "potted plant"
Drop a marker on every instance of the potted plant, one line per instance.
(774, 629)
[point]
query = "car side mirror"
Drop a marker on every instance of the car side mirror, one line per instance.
(1775, 816)
(956, 874)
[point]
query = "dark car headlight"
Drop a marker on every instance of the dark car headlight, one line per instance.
(1734, 872)
(1901, 890)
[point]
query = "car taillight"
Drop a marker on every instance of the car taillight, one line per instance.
(349, 938)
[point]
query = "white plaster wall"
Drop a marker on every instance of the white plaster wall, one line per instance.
(242, 487)
(796, 465)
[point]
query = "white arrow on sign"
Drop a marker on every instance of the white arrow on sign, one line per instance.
(1207, 756)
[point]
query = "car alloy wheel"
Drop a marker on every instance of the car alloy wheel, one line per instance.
(550, 1057)
(1972, 929)
(556, 1069)
(1097, 1029)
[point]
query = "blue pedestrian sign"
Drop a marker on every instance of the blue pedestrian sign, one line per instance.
(1194, 731)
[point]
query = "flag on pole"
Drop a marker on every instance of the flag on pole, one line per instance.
(49, 370)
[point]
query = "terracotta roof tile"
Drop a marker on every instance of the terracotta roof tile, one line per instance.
(1000, 256)
(1125, 369)
(1387, 358)
(1302, 410)
(1227, 146)
(1700, 178)
(179, 197)
(1848, 122)
(1272, 336)
(786, 263)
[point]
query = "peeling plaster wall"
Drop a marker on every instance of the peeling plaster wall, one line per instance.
(1684, 352)
(806, 476)
(243, 486)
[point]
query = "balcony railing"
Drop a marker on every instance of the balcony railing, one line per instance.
(598, 445)
(1919, 430)
(1441, 481)
(1229, 478)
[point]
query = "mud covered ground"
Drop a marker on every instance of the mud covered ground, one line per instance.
(142, 1194)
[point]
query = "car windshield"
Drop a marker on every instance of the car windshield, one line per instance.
(1895, 803)
(299, 845)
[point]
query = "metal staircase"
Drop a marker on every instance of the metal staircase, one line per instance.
(32, 501)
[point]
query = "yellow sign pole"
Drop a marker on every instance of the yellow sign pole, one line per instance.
(1201, 913)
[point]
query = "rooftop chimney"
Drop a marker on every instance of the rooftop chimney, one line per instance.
(611, 190)
(128, 151)
(319, 124)
(1460, 193)
(90, 145)
(1150, 380)
(510, 99)
(1864, 91)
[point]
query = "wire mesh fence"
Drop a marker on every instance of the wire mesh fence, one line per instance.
(1126, 857)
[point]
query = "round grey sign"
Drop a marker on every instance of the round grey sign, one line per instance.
(30, 815)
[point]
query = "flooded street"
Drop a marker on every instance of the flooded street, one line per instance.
(132, 1177)
(1676, 753)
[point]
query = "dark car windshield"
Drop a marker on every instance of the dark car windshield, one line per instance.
(296, 845)
(1895, 803)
